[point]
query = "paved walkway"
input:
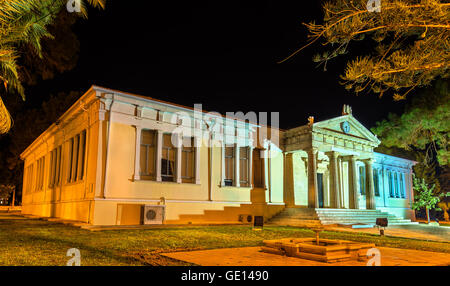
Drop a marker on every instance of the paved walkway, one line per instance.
(420, 231)
(251, 256)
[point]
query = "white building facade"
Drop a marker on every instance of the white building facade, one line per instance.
(112, 153)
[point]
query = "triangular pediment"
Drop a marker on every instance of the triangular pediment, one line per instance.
(346, 125)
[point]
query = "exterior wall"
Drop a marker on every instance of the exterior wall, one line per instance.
(398, 206)
(275, 176)
(74, 200)
(185, 202)
(300, 180)
(181, 198)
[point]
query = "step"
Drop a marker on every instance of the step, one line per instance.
(352, 213)
(321, 210)
(355, 215)
(359, 218)
(365, 222)
(365, 219)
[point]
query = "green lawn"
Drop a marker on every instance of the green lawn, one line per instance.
(38, 242)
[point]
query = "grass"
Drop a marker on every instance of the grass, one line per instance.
(38, 242)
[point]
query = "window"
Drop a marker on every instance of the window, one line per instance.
(391, 187)
(244, 166)
(258, 169)
(376, 182)
(402, 186)
(58, 165)
(168, 159)
(159, 159)
(29, 179)
(76, 158)
(229, 165)
(76, 144)
(187, 160)
(81, 155)
(148, 154)
(40, 174)
(396, 185)
(362, 180)
(55, 167)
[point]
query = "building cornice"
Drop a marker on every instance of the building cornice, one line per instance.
(79, 106)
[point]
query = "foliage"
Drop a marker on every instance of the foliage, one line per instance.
(423, 127)
(427, 170)
(25, 22)
(24, 133)
(425, 197)
(409, 42)
(59, 53)
(6, 190)
(445, 206)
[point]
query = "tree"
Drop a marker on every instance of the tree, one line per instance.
(24, 133)
(5, 191)
(423, 127)
(425, 197)
(25, 22)
(410, 40)
(445, 206)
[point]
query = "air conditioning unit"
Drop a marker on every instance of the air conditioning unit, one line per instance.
(153, 214)
(246, 218)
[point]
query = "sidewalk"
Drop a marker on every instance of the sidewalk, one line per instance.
(251, 256)
(420, 231)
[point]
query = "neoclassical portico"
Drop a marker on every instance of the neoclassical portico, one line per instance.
(338, 161)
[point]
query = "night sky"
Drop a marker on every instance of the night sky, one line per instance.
(222, 54)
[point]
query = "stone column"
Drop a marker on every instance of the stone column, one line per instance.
(341, 183)
(312, 178)
(370, 193)
(353, 183)
(222, 180)
(334, 180)
(159, 141)
(179, 150)
(250, 166)
(197, 148)
(237, 158)
(288, 194)
(137, 163)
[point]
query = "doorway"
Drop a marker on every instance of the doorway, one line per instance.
(320, 189)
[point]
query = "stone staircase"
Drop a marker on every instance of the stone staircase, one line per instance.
(323, 216)
(302, 217)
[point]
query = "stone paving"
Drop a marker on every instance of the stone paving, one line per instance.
(252, 256)
(421, 231)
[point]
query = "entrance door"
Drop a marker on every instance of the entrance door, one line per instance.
(320, 189)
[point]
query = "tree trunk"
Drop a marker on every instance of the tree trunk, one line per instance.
(428, 214)
(14, 197)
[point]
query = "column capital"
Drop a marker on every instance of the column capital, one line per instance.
(332, 154)
(286, 154)
(349, 158)
(312, 149)
(369, 161)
